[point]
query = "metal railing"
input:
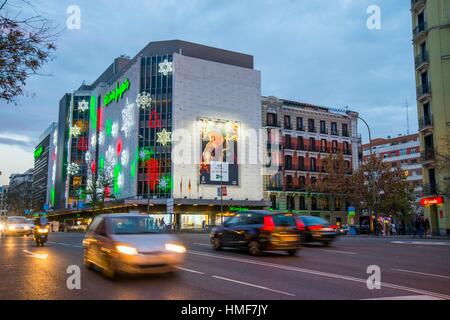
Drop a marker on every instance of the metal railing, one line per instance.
(427, 155)
(423, 90)
(419, 29)
(421, 59)
(425, 122)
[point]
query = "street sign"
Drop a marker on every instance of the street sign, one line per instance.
(170, 204)
(222, 192)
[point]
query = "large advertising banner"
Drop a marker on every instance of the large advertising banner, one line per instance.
(219, 145)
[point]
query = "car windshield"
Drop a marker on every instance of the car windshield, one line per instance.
(284, 220)
(312, 221)
(136, 225)
(16, 220)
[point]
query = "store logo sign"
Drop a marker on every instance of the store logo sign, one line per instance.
(431, 201)
(117, 93)
(38, 152)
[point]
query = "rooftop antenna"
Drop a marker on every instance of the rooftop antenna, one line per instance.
(407, 117)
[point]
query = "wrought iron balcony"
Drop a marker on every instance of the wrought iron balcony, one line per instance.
(429, 189)
(422, 59)
(423, 91)
(427, 155)
(420, 29)
(425, 123)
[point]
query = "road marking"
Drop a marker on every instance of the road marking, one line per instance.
(190, 270)
(320, 273)
(254, 286)
(426, 243)
(36, 255)
(202, 244)
(421, 297)
(338, 251)
(423, 273)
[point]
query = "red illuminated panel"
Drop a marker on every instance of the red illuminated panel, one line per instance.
(431, 201)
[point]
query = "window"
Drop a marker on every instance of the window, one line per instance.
(288, 162)
(236, 220)
(302, 182)
(300, 143)
(272, 119)
(346, 148)
(334, 146)
(301, 163)
(289, 182)
(323, 127)
(287, 142)
(323, 145)
(273, 201)
(334, 130)
(345, 130)
(312, 144)
(287, 122)
(311, 125)
(302, 203)
(403, 152)
(290, 203)
(313, 164)
(300, 124)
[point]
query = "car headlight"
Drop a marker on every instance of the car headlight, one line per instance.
(127, 250)
(26, 228)
(12, 228)
(2, 227)
(43, 230)
(175, 248)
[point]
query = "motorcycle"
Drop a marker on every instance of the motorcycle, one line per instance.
(40, 236)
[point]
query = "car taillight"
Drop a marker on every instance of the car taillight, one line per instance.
(334, 227)
(300, 224)
(314, 228)
(269, 224)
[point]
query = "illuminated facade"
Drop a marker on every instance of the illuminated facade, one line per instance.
(299, 136)
(44, 170)
(431, 41)
(142, 111)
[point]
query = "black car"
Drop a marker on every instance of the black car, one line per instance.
(258, 231)
(363, 228)
(316, 229)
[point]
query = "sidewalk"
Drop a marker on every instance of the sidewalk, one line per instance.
(401, 237)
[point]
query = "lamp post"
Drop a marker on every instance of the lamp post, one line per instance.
(372, 179)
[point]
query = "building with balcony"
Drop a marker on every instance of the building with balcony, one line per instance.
(402, 152)
(299, 135)
(19, 197)
(431, 47)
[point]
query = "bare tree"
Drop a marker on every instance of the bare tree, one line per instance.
(26, 43)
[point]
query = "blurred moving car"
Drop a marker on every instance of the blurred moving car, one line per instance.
(342, 230)
(131, 243)
(363, 228)
(258, 231)
(16, 226)
(315, 229)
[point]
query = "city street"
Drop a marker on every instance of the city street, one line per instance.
(410, 269)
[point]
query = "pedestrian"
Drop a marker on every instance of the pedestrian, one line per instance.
(204, 225)
(426, 226)
(420, 226)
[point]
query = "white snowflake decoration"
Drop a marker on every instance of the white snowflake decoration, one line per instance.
(115, 129)
(110, 157)
(143, 100)
(94, 140)
(87, 157)
(120, 180)
(143, 154)
(163, 183)
(75, 131)
(83, 105)
(124, 158)
(165, 67)
(127, 118)
(101, 138)
(73, 169)
(164, 137)
(53, 172)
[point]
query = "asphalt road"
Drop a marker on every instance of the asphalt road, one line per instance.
(410, 269)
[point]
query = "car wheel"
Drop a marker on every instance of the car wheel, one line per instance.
(87, 263)
(217, 244)
(109, 272)
(326, 243)
(292, 252)
(254, 248)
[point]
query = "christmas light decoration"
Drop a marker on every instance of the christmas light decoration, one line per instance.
(152, 173)
(73, 169)
(110, 160)
(115, 129)
(143, 100)
(165, 183)
(82, 144)
(124, 158)
(83, 105)
(119, 146)
(154, 120)
(93, 140)
(165, 67)
(75, 131)
(164, 137)
(127, 118)
(108, 127)
(101, 138)
(87, 157)
(146, 154)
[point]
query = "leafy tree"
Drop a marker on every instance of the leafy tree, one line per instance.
(26, 44)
